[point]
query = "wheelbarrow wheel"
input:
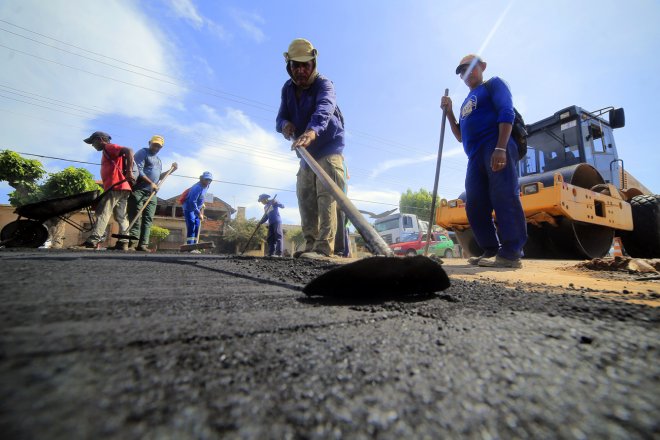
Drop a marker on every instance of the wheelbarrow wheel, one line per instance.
(24, 233)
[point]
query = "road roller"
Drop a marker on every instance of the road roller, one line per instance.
(575, 192)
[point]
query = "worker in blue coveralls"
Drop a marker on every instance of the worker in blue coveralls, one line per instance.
(192, 206)
(272, 216)
(491, 181)
(309, 116)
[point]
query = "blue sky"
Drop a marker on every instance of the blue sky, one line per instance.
(207, 75)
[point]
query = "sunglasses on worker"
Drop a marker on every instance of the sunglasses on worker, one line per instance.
(463, 68)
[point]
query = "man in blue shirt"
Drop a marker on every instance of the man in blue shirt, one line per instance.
(491, 181)
(272, 215)
(150, 171)
(192, 206)
(309, 115)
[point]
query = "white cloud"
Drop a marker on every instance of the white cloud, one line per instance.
(236, 149)
(396, 163)
(375, 201)
(250, 22)
(186, 10)
(52, 126)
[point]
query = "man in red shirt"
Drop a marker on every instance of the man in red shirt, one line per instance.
(117, 188)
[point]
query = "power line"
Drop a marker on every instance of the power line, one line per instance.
(37, 105)
(195, 178)
(228, 145)
(263, 153)
(248, 101)
(243, 98)
(355, 132)
(160, 92)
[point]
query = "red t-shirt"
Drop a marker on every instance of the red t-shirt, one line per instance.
(111, 166)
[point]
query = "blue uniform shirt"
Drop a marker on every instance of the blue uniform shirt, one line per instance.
(149, 165)
(195, 198)
(481, 115)
(274, 213)
(316, 109)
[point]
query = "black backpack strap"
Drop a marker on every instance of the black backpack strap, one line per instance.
(518, 129)
(489, 89)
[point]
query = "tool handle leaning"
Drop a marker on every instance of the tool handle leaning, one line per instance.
(378, 245)
(153, 193)
(437, 178)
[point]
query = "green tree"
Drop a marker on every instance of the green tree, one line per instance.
(159, 234)
(68, 182)
(22, 175)
(240, 230)
(418, 203)
(296, 236)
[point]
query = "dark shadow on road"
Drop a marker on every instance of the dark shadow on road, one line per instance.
(173, 260)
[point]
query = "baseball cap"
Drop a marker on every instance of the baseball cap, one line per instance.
(97, 134)
(466, 60)
(157, 139)
(263, 197)
(300, 50)
(206, 175)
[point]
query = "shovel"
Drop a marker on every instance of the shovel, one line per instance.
(144, 205)
(381, 276)
(197, 245)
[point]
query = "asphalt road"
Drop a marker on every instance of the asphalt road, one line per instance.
(110, 345)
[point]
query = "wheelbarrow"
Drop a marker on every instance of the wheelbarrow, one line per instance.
(29, 229)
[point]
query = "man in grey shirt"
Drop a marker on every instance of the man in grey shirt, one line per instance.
(150, 170)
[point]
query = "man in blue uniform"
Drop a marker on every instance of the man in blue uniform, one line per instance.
(150, 171)
(491, 181)
(192, 206)
(309, 115)
(272, 215)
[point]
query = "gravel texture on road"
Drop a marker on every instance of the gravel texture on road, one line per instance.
(116, 345)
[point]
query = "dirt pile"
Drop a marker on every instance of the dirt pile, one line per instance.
(624, 264)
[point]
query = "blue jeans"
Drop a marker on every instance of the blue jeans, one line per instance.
(192, 226)
(487, 191)
(274, 238)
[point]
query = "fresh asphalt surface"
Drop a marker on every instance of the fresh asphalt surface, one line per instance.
(115, 345)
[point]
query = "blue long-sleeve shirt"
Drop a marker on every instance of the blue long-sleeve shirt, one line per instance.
(195, 198)
(272, 211)
(149, 165)
(316, 109)
(482, 113)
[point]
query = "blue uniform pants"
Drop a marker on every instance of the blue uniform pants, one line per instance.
(487, 191)
(192, 226)
(274, 238)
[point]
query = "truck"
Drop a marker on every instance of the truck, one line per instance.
(574, 191)
(395, 226)
(440, 245)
